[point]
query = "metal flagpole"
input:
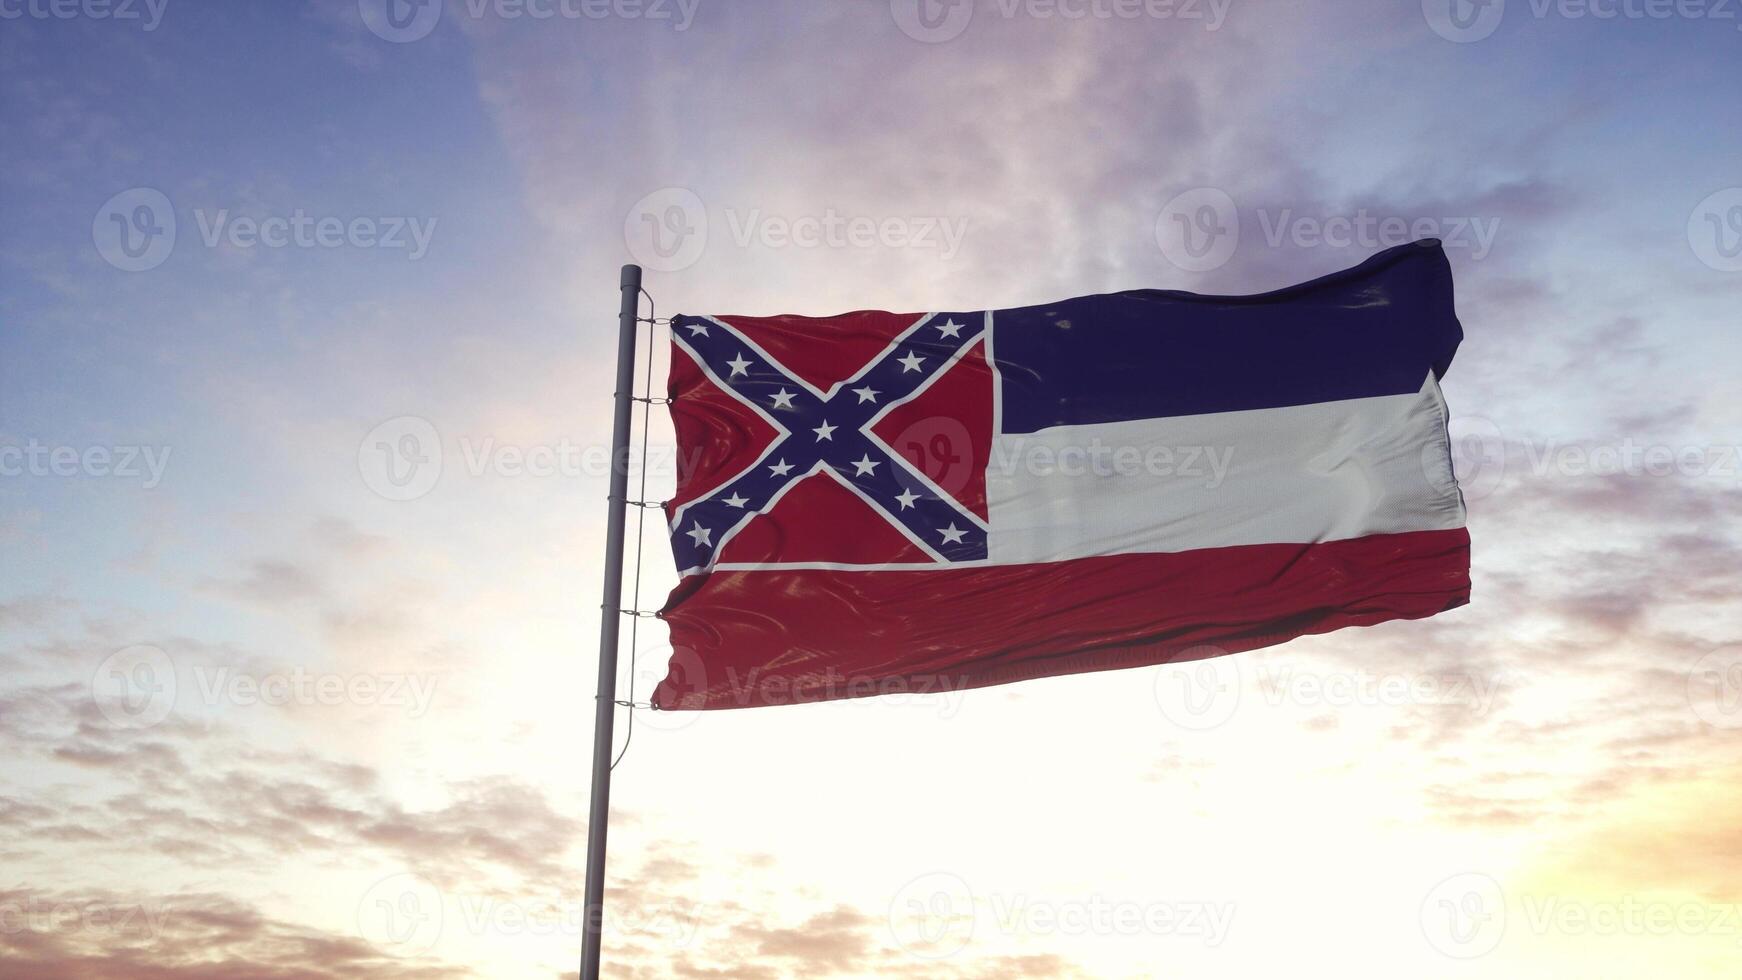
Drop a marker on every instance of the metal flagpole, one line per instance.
(610, 615)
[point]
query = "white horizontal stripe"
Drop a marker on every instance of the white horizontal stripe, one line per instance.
(1324, 472)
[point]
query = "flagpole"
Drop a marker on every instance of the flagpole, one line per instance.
(610, 615)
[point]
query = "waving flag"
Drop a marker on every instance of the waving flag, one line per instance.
(876, 503)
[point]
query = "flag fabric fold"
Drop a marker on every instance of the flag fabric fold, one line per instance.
(878, 503)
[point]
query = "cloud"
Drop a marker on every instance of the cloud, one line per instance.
(344, 539)
(108, 935)
(270, 582)
(203, 791)
(1654, 839)
(32, 610)
(834, 940)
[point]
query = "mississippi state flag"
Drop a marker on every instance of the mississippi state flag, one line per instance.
(879, 503)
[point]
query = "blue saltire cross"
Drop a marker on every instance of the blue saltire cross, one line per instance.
(828, 430)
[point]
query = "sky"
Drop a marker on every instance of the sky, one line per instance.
(306, 345)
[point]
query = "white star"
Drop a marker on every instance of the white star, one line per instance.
(951, 328)
(697, 329)
(866, 394)
(738, 365)
(700, 535)
(951, 535)
(783, 399)
(864, 465)
(907, 497)
(736, 501)
(910, 363)
(781, 468)
(825, 431)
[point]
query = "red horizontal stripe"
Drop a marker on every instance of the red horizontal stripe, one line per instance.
(749, 638)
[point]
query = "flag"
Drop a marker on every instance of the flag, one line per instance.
(877, 503)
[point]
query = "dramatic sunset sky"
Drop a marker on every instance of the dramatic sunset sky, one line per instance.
(307, 323)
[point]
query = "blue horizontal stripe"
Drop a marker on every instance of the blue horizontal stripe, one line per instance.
(1376, 329)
